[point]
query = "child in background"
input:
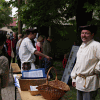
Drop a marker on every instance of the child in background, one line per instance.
(64, 61)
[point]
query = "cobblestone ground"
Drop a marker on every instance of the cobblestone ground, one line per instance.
(8, 93)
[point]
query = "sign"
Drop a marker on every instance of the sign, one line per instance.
(70, 64)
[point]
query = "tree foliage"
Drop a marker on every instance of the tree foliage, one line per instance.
(51, 12)
(95, 7)
(45, 12)
(57, 12)
(5, 12)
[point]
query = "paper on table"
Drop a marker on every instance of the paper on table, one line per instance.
(38, 73)
(14, 75)
(17, 82)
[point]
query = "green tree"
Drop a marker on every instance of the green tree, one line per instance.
(95, 7)
(56, 13)
(5, 12)
(52, 12)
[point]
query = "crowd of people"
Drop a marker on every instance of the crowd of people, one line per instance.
(43, 45)
(26, 50)
(23, 49)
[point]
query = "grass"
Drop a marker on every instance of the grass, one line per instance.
(70, 95)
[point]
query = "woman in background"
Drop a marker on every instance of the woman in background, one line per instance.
(39, 47)
(8, 44)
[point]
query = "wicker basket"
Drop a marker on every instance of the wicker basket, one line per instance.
(53, 90)
(33, 93)
(25, 83)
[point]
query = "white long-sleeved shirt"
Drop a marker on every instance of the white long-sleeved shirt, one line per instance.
(26, 52)
(87, 63)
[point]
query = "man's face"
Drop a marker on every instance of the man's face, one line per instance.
(18, 37)
(14, 35)
(34, 35)
(86, 36)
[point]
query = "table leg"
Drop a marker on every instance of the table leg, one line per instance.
(15, 93)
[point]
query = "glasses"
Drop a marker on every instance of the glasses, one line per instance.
(85, 33)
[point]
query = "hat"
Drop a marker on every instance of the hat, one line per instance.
(91, 28)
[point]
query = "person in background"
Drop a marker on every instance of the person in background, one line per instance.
(15, 42)
(47, 46)
(27, 51)
(4, 50)
(64, 61)
(36, 38)
(8, 44)
(39, 47)
(47, 51)
(85, 74)
(17, 49)
(4, 66)
(37, 57)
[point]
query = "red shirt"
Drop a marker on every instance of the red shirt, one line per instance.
(8, 42)
(64, 62)
(38, 47)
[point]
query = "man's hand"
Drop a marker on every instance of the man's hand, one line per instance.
(48, 57)
(41, 54)
(74, 84)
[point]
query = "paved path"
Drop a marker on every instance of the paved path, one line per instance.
(8, 93)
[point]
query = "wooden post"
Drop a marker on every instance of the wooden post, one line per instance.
(19, 22)
(49, 31)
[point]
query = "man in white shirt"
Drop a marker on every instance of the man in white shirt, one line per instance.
(85, 74)
(27, 50)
